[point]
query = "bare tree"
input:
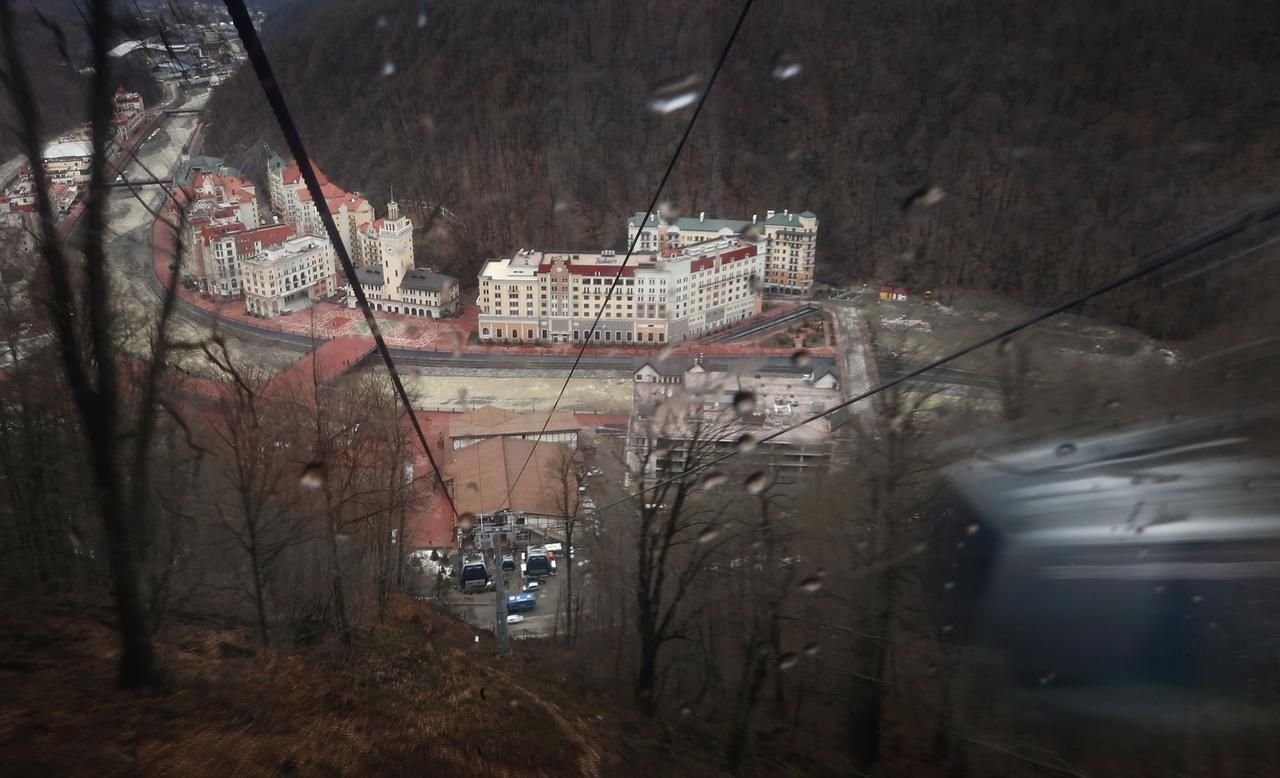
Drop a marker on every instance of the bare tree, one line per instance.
(563, 476)
(83, 319)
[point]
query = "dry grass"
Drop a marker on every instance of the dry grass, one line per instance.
(415, 697)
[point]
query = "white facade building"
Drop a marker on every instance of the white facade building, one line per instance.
(288, 277)
(788, 242)
(663, 296)
(388, 276)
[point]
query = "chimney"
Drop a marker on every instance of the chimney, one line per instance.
(702, 216)
(769, 214)
(786, 212)
(753, 218)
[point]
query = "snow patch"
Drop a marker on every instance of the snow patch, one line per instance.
(901, 323)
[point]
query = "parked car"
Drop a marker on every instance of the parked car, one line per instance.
(514, 618)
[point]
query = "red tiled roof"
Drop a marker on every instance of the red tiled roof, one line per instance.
(292, 174)
(270, 235)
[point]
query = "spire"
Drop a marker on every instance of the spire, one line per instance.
(393, 209)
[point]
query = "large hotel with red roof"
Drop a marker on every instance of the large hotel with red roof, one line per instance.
(664, 295)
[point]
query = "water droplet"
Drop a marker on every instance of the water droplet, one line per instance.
(514, 703)
(786, 65)
(381, 23)
(685, 710)
(746, 443)
(343, 537)
(665, 352)
(813, 583)
(972, 529)
(960, 545)
(422, 18)
(462, 394)
(1111, 405)
(388, 68)
(313, 475)
(757, 481)
(811, 649)
(708, 534)
(1048, 678)
(561, 206)
(750, 233)
(788, 661)
(1197, 598)
(1213, 625)
(1006, 345)
(668, 211)
(918, 205)
(466, 521)
(1159, 589)
(744, 402)
(472, 487)
(1174, 418)
(801, 358)
(671, 96)
(949, 585)
(73, 535)
(714, 479)
(1065, 450)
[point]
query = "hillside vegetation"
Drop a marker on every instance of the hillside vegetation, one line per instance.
(1071, 139)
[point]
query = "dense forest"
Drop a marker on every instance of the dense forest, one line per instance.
(1070, 139)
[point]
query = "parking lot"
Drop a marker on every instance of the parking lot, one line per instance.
(604, 485)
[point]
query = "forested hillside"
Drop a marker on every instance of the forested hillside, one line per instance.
(1070, 139)
(54, 47)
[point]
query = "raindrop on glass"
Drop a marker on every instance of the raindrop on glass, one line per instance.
(744, 402)
(671, 96)
(462, 394)
(813, 583)
(665, 352)
(746, 443)
(1048, 678)
(466, 521)
(801, 358)
(1065, 450)
(514, 703)
(343, 537)
(750, 233)
(757, 481)
(949, 585)
(708, 534)
(313, 475)
(972, 529)
(388, 68)
(1159, 589)
(811, 649)
(422, 18)
(918, 206)
(755, 282)
(788, 661)
(685, 710)
(714, 479)
(74, 536)
(1197, 598)
(381, 23)
(1006, 345)
(472, 487)
(668, 211)
(786, 65)
(1111, 405)
(947, 628)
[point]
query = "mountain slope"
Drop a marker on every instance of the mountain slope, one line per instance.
(1070, 139)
